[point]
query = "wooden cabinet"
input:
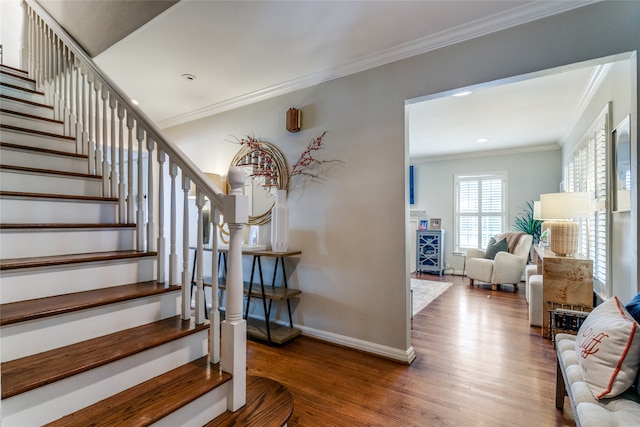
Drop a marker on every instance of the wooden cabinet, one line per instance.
(430, 251)
(566, 281)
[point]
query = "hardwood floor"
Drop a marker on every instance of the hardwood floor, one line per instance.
(479, 363)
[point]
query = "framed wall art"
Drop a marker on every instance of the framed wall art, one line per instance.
(434, 224)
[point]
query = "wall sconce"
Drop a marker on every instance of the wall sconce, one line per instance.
(562, 208)
(294, 120)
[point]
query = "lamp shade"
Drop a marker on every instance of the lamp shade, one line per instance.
(562, 207)
(565, 205)
(537, 210)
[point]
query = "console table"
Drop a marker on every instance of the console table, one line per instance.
(566, 281)
(264, 329)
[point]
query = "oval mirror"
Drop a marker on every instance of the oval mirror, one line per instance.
(265, 171)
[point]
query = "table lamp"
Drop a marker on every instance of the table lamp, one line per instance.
(562, 208)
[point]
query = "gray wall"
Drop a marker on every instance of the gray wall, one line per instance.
(529, 174)
(351, 228)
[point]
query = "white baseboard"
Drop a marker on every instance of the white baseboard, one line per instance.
(406, 356)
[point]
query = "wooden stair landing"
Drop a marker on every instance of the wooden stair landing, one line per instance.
(28, 373)
(152, 400)
(269, 404)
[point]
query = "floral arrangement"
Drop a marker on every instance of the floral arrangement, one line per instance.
(307, 166)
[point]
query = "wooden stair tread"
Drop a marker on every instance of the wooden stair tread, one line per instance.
(24, 101)
(31, 226)
(38, 132)
(9, 85)
(30, 116)
(50, 172)
(152, 400)
(43, 150)
(31, 372)
(16, 72)
(57, 196)
(48, 261)
(50, 306)
(269, 404)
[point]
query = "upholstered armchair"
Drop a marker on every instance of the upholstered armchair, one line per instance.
(506, 267)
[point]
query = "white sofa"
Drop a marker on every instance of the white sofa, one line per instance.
(505, 268)
(622, 410)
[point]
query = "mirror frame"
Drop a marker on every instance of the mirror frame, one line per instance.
(281, 167)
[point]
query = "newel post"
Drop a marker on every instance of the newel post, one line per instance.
(234, 328)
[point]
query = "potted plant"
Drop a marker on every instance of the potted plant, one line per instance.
(527, 223)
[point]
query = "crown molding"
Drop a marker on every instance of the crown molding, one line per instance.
(488, 153)
(510, 18)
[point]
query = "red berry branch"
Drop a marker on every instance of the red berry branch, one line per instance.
(307, 161)
(307, 165)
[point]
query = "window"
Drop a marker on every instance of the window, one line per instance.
(586, 170)
(480, 209)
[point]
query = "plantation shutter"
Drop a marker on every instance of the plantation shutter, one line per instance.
(480, 209)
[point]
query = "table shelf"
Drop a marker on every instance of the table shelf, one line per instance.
(262, 329)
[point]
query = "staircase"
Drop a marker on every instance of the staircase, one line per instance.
(86, 328)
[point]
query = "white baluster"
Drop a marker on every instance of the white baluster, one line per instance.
(66, 97)
(29, 35)
(57, 57)
(77, 106)
(214, 314)
(130, 195)
(199, 309)
(114, 174)
(122, 195)
(173, 254)
(96, 132)
(186, 283)
(140, 225)
(234, 328)
(151, 226)
(104, 94)
(88, 124)
(162, 250)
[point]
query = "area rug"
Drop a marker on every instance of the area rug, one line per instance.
(425, 291)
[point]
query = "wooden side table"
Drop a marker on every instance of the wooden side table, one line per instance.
(566, 280)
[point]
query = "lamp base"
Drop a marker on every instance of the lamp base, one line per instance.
(563, 238)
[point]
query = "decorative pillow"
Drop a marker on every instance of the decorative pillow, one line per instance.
(493, 249)
(608, 349)
(634, 308)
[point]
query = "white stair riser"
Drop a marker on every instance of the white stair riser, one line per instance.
(200, 411)
(51, 242)
(34, 159)
(40, 282)
(13, 70)
(53, 401)
(16, 81)
(38, 141)
(53, 184)
(36, 336)
(17, 210)
(22, 94)
(30, 123)
(21, 107)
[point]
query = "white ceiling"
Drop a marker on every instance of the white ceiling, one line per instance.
(244, 51)
(530, 113)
